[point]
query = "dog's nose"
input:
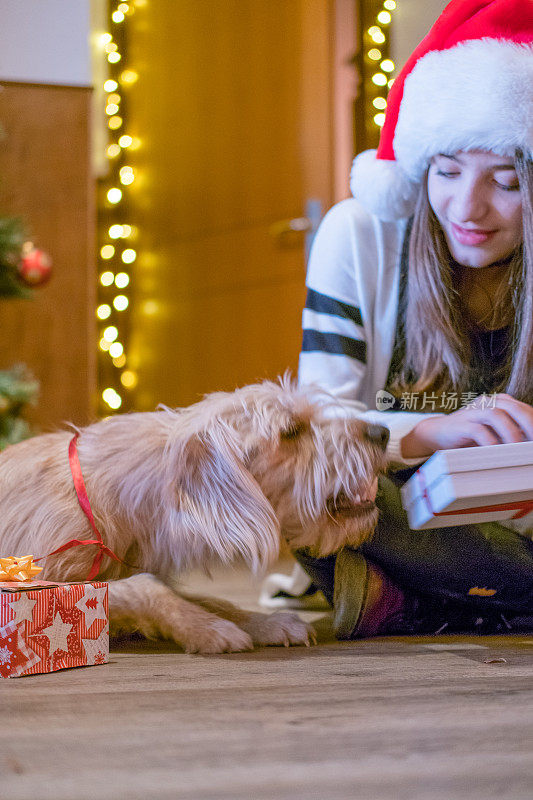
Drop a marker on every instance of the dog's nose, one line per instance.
(377, 434)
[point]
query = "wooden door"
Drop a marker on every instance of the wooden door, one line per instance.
(45, 180)
(235, 107)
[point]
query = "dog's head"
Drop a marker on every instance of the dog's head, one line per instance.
(270, 458)
(318, 469)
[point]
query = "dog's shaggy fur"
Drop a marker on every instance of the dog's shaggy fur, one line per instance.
(220, 481)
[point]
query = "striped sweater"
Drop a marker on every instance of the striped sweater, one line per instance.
(349, 322)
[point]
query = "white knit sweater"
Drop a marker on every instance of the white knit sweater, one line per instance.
(350, 320)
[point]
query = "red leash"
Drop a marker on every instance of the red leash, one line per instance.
(83, 499)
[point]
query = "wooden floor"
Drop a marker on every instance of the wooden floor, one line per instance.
(437, 718)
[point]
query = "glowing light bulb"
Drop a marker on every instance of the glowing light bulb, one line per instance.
(390, 5)
(111, 109)
(103, 311)
(120, 361)
(384, 17)
(128, 76)
(115, 231)
(107, 251)
(121, 302)
(111, 47)
(113, 58)
(129, 379)
(379, 119)
(127, 175)
(150, 308)
(378, 38)
(113, 151)
(116, 350)
(125, 141)
(107, 278)
(128, 256)
(112, 398)
(389, 84)
(127, 230)
(117, 16)
(114, 123)
(105, 38)
(110, 333)
(114, 195)
(387, 65)
(379, 79)
(122, 279)
(374, 54)
(124, 7)
(104, 345)
(113, 98)
(110, 85)
(379, 102)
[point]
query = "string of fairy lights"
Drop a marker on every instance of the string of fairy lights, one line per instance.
(381, 79)
(116, 233)
(376, 68)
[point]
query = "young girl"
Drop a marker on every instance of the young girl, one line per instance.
(422, 286)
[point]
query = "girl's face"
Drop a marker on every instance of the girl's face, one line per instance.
(476, 199)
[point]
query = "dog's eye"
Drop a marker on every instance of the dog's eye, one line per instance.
(294, 430)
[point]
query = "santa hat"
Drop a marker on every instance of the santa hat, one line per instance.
(467, 86)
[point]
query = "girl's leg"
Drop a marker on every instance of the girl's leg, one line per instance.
(320, 570)
(366, 602)
(486, 566)
(466, 578)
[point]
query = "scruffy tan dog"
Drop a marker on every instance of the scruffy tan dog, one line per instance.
(170, 490)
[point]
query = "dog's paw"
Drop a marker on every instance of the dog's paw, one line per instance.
(218, 636)
(282, 628)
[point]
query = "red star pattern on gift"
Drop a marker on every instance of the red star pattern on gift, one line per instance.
(22, 606)
(12, 657)
(54, 629)
(91, 604)
(97, 650)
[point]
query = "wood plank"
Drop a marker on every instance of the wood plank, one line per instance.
(371, 719)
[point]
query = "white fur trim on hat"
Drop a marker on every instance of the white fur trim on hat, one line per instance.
(477, 95)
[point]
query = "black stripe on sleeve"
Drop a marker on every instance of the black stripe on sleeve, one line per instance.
(328, 305)
(334, 344)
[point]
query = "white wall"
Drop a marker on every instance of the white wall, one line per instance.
(45, 41)
(412, 19)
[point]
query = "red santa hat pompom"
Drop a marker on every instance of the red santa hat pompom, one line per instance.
(467, 86)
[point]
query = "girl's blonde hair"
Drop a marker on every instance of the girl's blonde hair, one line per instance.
(437, 349)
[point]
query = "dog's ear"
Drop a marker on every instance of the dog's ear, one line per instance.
(220, 503)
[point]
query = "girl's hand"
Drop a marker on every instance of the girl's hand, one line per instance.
(506, 420)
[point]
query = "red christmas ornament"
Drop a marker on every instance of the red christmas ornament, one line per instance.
(35, 266)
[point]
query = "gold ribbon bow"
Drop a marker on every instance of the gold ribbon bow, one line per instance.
(18, 568)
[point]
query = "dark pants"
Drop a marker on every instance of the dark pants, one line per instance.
(485, 566)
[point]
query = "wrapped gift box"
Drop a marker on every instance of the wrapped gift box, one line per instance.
(470, 485)
(47, 626)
